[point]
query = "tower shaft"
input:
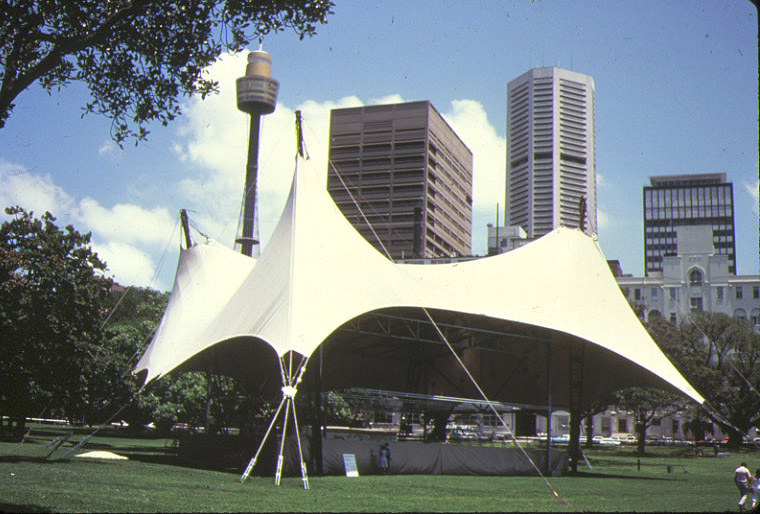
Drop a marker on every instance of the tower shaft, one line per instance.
(257, 96)
(247, 240)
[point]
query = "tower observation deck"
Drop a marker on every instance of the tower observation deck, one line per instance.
(257, 96)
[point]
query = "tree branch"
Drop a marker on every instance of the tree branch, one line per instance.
(13, 85)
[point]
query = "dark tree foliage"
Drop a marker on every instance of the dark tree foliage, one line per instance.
(139, 57)
(720, 357)
(648, 405)
(133, 315)
(52, 291)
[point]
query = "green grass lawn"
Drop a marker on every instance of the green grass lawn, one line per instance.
(153, 481)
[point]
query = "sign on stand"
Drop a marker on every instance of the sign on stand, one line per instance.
(349, 462)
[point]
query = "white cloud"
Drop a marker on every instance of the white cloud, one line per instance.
(122, 235)
(752, 191)
(107, 147)
(127, 264)
(31, 191)
(214, 135)
(386, 100)
(127, 223)
(603, 221)
(469, 120)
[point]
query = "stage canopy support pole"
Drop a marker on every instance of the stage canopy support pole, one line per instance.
(548, 409)
(288, 400)
(576, 357)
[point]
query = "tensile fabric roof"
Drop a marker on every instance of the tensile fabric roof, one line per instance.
(523, 323)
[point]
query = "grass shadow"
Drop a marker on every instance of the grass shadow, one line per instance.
(12, 507)
(591, 474)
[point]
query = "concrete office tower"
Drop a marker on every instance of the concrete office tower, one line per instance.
(410, 174)
(256, 95)
(550, 151)
(673, 201)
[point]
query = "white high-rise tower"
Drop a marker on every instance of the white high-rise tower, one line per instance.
(551, 173)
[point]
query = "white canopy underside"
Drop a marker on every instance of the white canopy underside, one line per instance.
(317, 274)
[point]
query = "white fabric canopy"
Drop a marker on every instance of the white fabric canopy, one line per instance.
(317, 273)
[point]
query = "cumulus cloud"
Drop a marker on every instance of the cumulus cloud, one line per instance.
(33, 192)
(126, 236)
(470, 121)
(127, 223)
(122, 235)
(128, 264)
(214, 135)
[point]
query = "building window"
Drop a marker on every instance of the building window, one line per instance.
(674, 294)
(637, 294)
(654, 294)
(719, 293)
(695, 304)
(740, 314)
(755, 292)
(673, 317)
(606, 425)
(695, 277)
(755, 317)
(739, 293)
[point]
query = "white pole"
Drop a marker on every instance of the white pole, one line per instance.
(252, 462)
(304, 476)
(278, 472)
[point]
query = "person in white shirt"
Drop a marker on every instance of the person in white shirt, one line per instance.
(743, 480)
(754, 494)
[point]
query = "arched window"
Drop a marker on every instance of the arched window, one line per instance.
(654, 314)
(740, 314)
(755, 317)
(695, 277)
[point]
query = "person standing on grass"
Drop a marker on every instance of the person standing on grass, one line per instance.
(743, 480)
(755, 492)
(385, 458)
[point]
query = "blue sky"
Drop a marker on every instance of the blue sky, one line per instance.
(676, 92)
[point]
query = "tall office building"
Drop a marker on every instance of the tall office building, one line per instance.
(551, 173)
(410, 174)
(674, 201)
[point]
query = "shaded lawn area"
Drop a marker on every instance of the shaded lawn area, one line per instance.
(153, 480)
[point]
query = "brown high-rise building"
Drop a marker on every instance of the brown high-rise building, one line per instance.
(410, 175)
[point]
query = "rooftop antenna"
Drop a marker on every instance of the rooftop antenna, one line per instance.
(257, 96)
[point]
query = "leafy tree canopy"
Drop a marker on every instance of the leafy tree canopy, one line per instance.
(720, 357)
(137, 57)
(52, 290)
(133, 316)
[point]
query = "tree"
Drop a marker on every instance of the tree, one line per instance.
(52, 290)
(720, 357)
(648, 406)
(137, 57)
(133, 316)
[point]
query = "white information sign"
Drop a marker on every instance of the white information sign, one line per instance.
(349, 462)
